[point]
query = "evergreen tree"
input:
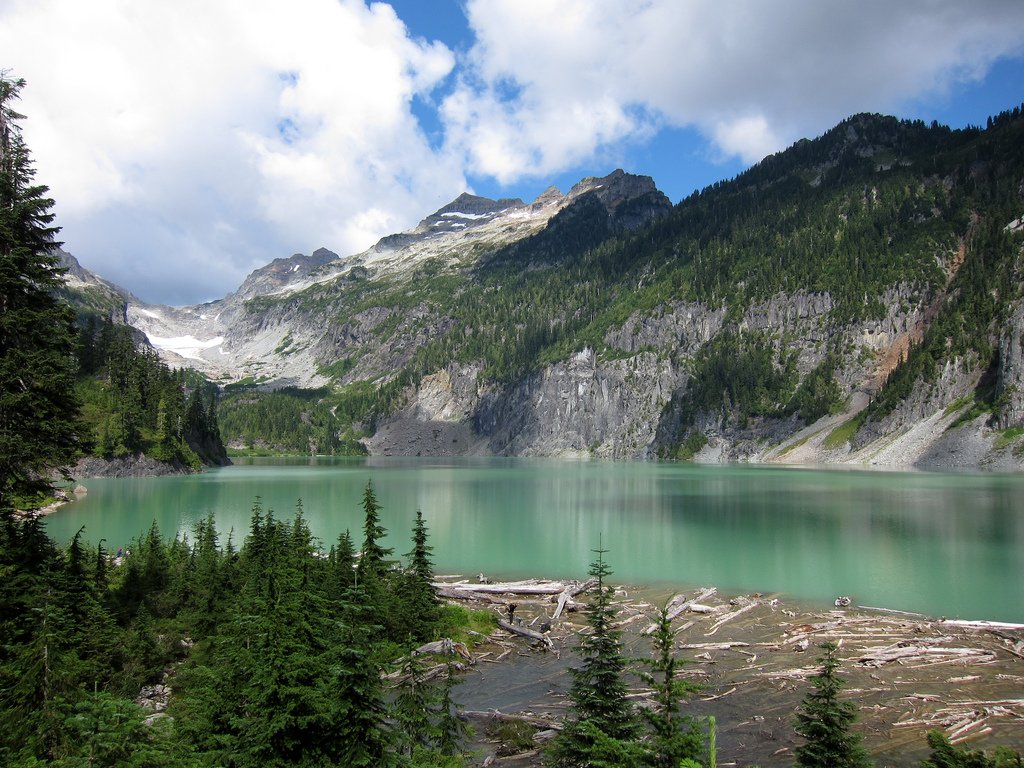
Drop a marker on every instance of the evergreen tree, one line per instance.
(451, 729)
(674, 737)
(413, 706)
(946, 755)
(603, 727)
(373, 560)
(343, 563)
(824, 722)
(40, 429)
(358, 714)
(422, 605)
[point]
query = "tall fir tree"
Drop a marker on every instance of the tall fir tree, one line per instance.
(603, 728)
(423, 609)
(674, 736)
(824, 722)
(373, 560)
(40, 430)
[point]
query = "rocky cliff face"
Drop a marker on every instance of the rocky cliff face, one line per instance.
(1010, 383)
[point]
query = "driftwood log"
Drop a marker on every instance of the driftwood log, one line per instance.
(502, 717)
(525, 632)
(445, 646)
(570, 592)
(530, 587)
(680, 604)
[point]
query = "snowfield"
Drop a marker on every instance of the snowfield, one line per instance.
(186, 346)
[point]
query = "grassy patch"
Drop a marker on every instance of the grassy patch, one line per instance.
(1008, 437)
(844, 433)
(513, 736)
(793, 446)
(691, 446)
(338, 368)
(465, 625)
(957, 404)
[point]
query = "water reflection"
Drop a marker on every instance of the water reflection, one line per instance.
(942, 544)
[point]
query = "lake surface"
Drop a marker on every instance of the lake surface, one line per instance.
(941, 544)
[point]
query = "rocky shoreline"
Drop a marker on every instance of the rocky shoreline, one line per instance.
(137, 465)
(752, 655)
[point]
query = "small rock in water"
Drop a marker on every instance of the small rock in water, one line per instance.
(842, 601)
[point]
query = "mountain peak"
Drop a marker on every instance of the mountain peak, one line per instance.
(620, 190)
(476, 205)
(283, 271)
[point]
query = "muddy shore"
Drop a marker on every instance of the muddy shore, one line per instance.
(752, 655)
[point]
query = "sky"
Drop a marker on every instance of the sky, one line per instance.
(188, 142)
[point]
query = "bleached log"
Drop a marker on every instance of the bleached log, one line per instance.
(698, 608)
(530, 587)
(876, 657)
(715, 646)
(720, 695)
(446, 646)
(981, 624)
(679, 604)
(627, 621)
(524, 632)
(570, 592)
(504, 717)
(729, 617)
(466, 594)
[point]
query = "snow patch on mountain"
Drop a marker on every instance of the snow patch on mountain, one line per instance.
(186, 346)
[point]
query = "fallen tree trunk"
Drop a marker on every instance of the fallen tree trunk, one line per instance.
(446, 646)
(715, 646)
(467, 594)
(876, 657)
(570, 592)
(524, 632)
(679, 604)
(505, 588)
(730, 616)
(493, 714)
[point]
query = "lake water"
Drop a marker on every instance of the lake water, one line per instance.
(941, 544)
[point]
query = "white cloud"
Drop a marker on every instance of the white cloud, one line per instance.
(189, 141)
(752, 76)
(750, 138)
(223, 134)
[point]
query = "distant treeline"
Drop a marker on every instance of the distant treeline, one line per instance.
(135, 404)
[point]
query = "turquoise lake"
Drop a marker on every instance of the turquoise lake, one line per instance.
(941, 544)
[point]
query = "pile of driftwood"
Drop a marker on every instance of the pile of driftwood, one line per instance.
(963, 720)
(908, 674)
(511, 594)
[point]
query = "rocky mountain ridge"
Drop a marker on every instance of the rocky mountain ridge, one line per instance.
(854, 299)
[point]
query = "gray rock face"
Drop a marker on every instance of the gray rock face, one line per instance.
(684, 327)
(631, 201)
(311, 320)
(955, 380)
(579, 407)
(130, 466)
(281, 272)
(1010, 382)
(582, 406)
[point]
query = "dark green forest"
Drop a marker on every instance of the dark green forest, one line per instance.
(323, 421)
(135, 404)
(273, 649)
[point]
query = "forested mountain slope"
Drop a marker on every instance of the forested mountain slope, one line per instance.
(853, 298)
